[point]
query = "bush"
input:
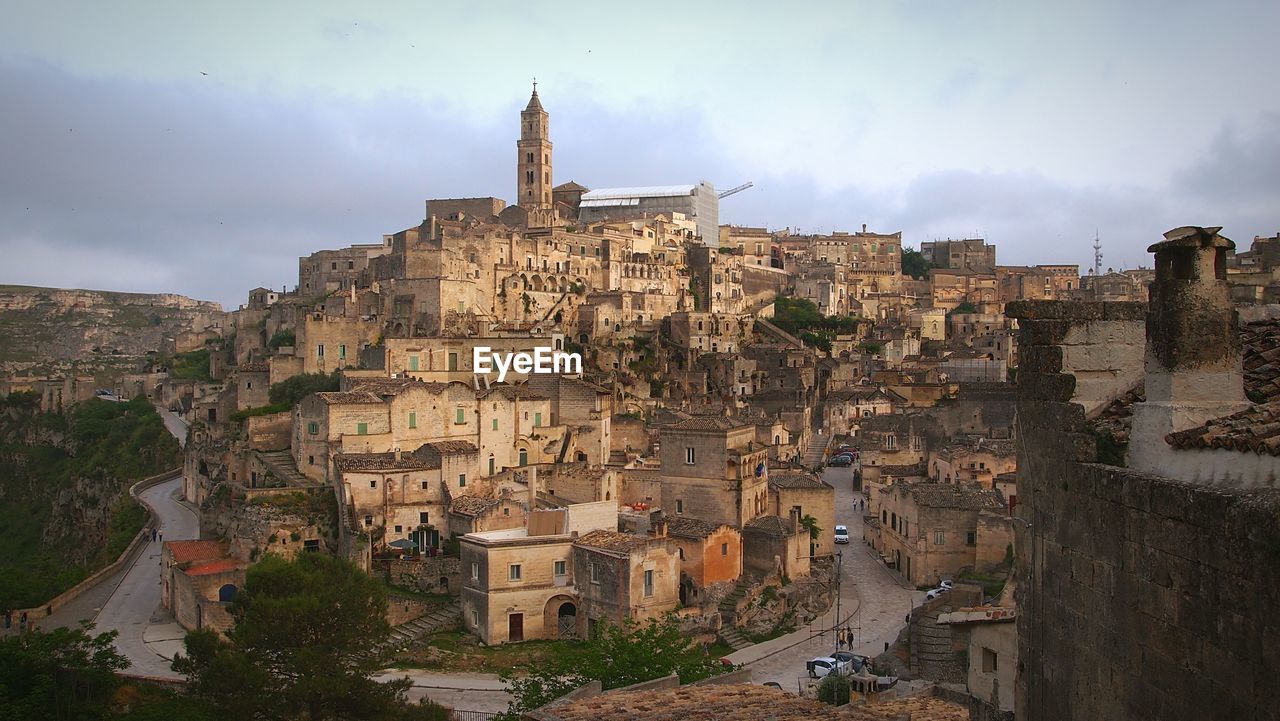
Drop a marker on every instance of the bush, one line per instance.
(833, 690)
(291, 390)
(282, 338)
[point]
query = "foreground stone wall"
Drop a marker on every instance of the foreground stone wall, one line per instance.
(1140, 597)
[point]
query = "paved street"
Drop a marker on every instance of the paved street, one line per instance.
(134, 603)
(874, 602)
(466, 692)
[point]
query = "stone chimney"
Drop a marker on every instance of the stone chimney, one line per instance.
(1193, 361)
(531, 477)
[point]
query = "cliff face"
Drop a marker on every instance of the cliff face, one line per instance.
(50, 329)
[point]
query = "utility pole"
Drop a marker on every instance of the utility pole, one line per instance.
(835, 629)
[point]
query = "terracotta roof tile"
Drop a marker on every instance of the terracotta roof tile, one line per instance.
(1253, 430)
(472, 506)
(222, 565)
(610, 541)
(951, 495)
(689, 527)
(187, 551)
(795, 479)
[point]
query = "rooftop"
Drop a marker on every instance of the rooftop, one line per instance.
(722, 702)
(688, 527)
(187, 551)
(472, 506)
(1255, 429)
(795, 479)
(610, 541)
(950, 495)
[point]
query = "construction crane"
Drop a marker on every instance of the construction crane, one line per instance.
(731, 191)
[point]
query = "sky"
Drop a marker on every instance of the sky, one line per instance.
(201, 148)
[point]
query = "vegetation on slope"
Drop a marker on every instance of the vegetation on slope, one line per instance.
(800, 317)
(64, 507)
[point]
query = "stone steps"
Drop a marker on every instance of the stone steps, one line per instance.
(735, 640)
(408, 632)
(281, 464)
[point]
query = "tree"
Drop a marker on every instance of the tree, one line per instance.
(291, 390)
(60, 674)
(616, 656)
(292, 651)
(834, 690)
(914, 264)
(811, 523)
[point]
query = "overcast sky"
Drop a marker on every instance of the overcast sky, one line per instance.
(152, 147)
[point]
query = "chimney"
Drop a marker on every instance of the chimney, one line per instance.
(398, 456)
(531, 477)
(864, 227)
(1193, 359)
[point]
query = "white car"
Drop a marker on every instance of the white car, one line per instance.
(823, 667)
(943, 587)
(842, 534)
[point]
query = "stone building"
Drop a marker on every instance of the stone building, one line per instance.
(709, 553)
(199, 580)
(932, 531)
(713, 469)
(1161, 577)
(517, 583)
(620, 576)
(971, 254)
(795, 494)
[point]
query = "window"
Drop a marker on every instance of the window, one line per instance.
(413, 420)
(939, 538)
(990, 661)
(413, 362)
(313, 428)
(506, 511)
(890, 441)
(462, 480)
(461, 417)
(648, 583)
(724, 549)
(422, 515)
(362, 429)
(524, 457)
(475, 571)
(320, 351)
(373, 484)
(424, 485)
(311, 460)
(368, 520)
(399, 529)
(971, 538)
(679, 506)
(513, 572)
(491, 471)
(537, 420)
(342, 352)
(561, 568)
(689, 455)
(595, 573)
(453, 361)
(475, 618)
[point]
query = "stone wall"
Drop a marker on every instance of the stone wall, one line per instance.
(1140, 597)
(440, 574)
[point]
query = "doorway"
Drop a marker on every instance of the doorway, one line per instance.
(515, 627)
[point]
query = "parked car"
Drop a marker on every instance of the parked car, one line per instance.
(934, 593)
(840, 462)
(825, 666)
(842, 534)
(856, 662)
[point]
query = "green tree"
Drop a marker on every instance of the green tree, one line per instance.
(616, 656)
(811, 523)
(292, 653)
(61, 674)
(291, 390)
(914, 264)
(834, 690)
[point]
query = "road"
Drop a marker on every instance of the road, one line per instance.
(135, 602)
(874, 603)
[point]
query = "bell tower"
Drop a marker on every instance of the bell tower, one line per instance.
(533, 184)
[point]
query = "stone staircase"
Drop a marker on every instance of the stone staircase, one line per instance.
(728, 606)
(777, 333)
(817, 449)
(735, 640)
(280, 463)
(406, 633)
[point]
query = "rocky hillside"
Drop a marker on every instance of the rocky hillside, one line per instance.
(64, 509)
(51, 329)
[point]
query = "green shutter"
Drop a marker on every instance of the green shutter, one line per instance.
(362, 429)
(413, 420)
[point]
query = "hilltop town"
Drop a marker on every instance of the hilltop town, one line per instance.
(771, 433)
